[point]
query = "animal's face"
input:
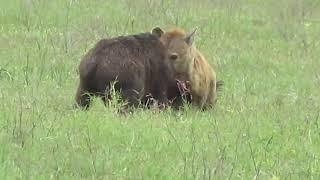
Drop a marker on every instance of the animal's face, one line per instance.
(180, 47)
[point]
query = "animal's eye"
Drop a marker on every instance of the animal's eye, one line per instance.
(173, 56)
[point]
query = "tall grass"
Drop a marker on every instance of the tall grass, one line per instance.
(265, 126)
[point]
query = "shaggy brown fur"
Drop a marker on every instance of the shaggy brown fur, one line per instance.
(138, 63)
(189, 61)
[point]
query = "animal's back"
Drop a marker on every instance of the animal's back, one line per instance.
(136, 62)
(127, 48)
(122, 57)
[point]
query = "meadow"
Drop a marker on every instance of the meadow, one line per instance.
(265, 125)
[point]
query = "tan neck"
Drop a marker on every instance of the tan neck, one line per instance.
(193, 64)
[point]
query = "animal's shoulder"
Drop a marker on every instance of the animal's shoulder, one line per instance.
(201, 61)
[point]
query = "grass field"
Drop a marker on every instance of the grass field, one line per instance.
(265, 125)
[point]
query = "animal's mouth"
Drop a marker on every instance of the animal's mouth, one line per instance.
(183, 86)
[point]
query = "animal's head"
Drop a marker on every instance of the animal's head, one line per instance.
(180, 46)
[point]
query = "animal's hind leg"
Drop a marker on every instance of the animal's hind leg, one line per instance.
(82, 97)
(133, 99)
(132, 96)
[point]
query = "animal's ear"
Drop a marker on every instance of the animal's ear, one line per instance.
(190, 38)
(157, 31)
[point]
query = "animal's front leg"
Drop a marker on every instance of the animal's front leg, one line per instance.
(163, 100)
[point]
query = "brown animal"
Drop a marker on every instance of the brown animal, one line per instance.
(137, 63)
(191, 65)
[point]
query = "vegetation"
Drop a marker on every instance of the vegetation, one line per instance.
(265, 125)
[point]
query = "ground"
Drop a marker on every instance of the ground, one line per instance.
(265, 125)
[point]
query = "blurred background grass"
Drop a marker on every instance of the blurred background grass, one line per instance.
(266, 124)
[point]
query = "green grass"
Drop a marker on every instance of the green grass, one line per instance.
(265, 126)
